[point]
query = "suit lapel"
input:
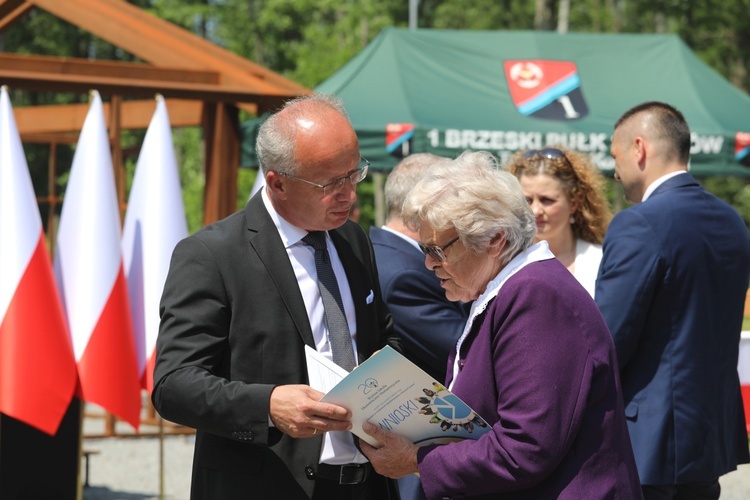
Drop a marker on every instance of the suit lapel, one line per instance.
(264, 240)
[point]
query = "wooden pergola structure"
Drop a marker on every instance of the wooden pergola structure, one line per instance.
(203, 84)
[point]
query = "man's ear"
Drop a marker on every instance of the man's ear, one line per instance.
(640, 148)
(276, 184)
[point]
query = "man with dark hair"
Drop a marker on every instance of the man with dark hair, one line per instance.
(672, 287)
(243, 298)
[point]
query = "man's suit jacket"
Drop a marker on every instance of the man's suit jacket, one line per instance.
(672, 287)
(426, 321)
(234, 326)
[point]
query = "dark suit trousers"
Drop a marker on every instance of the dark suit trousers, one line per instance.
(709, 490)
(376, 488)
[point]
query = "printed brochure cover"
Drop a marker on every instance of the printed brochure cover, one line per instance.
(392, 392)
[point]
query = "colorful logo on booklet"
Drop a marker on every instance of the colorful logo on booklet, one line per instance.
(447, 410)
(368, 386)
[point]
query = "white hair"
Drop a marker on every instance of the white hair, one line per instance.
(474, 196)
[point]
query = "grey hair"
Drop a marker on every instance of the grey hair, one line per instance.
(275, 144)
(405, 176)
(474, 196)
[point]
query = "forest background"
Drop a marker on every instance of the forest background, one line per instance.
(308, 40)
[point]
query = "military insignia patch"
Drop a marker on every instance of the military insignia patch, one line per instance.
(549, 90)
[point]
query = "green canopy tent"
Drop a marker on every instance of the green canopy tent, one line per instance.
(444, 91)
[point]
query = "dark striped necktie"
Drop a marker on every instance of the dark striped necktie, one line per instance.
(338, 329)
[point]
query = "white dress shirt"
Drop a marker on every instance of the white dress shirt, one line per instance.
(658, 182)
(588, 258)
(338, 447)
(407, 239)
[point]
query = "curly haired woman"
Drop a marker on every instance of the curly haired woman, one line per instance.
(565, 192)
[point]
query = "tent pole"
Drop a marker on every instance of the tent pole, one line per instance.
(413, 16)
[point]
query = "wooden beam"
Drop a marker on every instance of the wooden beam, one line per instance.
(164, 44)
(184, 67)
(11, 11)
(113, 69)
(50, 138)
(53, 119)
(133, 87)
(221, 137)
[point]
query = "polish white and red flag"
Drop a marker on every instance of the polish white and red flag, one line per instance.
(154, 223)
(743, 369)
(37, 367)
(90, 276)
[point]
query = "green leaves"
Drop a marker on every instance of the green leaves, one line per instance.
(308, 40)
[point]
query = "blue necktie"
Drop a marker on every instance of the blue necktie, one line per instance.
(338, 329)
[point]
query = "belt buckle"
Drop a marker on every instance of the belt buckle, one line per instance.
(358, 468)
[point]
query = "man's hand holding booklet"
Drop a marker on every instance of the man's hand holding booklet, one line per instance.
(390, 391)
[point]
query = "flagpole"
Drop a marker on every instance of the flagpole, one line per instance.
(79, 484)
(154, 223)
(161, 458)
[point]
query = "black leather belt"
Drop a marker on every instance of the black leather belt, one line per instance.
(345, 474)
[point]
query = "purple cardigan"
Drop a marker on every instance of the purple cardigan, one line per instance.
(539, 365)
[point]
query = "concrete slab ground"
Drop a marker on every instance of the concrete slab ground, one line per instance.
(128, 467)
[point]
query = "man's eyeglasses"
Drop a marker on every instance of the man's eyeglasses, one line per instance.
(336, 185)
(437, 251)
(549, 153)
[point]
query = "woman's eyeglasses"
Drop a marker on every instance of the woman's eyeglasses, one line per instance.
(437, 251)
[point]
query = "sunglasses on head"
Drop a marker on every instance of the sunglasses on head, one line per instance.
(549, 153)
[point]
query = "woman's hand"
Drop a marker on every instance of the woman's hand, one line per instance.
(397, 456)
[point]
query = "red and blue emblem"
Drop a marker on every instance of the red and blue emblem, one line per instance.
(398, 138)
(546, 89)
(742, 148)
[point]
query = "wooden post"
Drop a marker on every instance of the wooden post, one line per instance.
(115, 141)
(221, 138)
(51, 197)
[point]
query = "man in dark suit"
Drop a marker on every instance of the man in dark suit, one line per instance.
(241, 302)
(671, 287)
(427, 323)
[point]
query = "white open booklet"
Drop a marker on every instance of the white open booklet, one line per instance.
(390, 391)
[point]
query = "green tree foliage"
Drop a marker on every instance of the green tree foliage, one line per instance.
(308, 40)
(305, 40)
(480, 15)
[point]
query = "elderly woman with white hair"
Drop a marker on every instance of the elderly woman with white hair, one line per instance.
(535, 360)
